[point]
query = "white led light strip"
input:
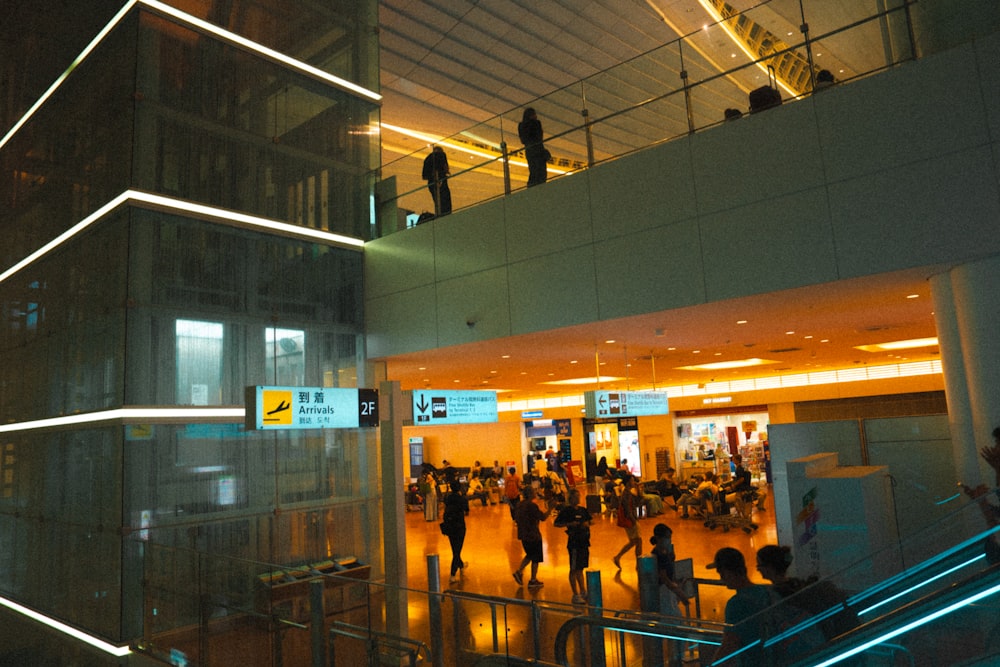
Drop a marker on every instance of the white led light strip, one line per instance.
(204, 26)
(181, 206)
(233, 38)
(131, 415)
(66, 629)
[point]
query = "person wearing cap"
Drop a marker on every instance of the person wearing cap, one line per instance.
(745, 622)
(822, 597)
(670, 590)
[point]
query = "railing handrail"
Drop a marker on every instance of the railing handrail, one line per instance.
(589, 121)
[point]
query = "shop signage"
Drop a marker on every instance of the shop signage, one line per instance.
(269, 408)
(624, 403)
(432, 406)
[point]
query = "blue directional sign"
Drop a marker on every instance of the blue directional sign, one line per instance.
(431, 406)
(310, 407)
(625, 403)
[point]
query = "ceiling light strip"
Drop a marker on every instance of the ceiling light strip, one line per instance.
(100, 644)
(62, 77)
(868, 373)
(139, 415)
(260, 49)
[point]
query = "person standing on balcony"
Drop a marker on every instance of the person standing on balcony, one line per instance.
(529, 130)
(436, 172)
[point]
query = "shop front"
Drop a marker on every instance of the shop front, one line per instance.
(706, 441)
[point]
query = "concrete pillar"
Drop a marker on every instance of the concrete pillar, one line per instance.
(967, 309)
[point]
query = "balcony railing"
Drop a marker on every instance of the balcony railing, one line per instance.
(682, 87)
(937, 605)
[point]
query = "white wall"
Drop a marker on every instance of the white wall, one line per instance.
(891, 172)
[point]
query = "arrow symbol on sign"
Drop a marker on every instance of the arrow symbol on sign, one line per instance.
(602, 400)
(423, 404)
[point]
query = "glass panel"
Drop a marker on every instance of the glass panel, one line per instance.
(74, 154)
(285, 356)
(181, 268)
(61, 497)
(222, 126)
(199, 362)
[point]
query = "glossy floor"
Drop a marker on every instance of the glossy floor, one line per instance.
(492, 552)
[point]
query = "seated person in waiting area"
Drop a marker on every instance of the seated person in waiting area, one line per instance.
(742, 489)
(689, 498)
(477, 490)
(667, 486)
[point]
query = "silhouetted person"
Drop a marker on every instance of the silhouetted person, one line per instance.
(530, 132)
(824, 79)
(436, 172)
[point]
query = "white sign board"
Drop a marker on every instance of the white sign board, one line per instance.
(625, 403)
(432, 406)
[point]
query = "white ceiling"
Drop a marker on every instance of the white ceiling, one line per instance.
(449, 64)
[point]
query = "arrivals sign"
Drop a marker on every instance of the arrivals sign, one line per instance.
(432, 406)
(625, 403)
(269, 408)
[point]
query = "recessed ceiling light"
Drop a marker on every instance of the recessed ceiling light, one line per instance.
(589, 380)
(609, 341)
(789, 333)
(741, 321)
(720, 365)
(898, 345)
(912, 296)
(573, 362)
(505, 356)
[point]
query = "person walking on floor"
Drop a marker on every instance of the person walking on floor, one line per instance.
(456, 508)
(576, 520)
(512, 489)
(528, 516)
(628, 519)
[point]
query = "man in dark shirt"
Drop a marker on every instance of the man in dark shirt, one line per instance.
(576, 520)
(527, 516)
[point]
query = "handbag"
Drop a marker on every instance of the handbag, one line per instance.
(624, 520)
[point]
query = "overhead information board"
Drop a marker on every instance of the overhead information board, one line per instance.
(270, 408)
(625, 403)
(432, 406)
